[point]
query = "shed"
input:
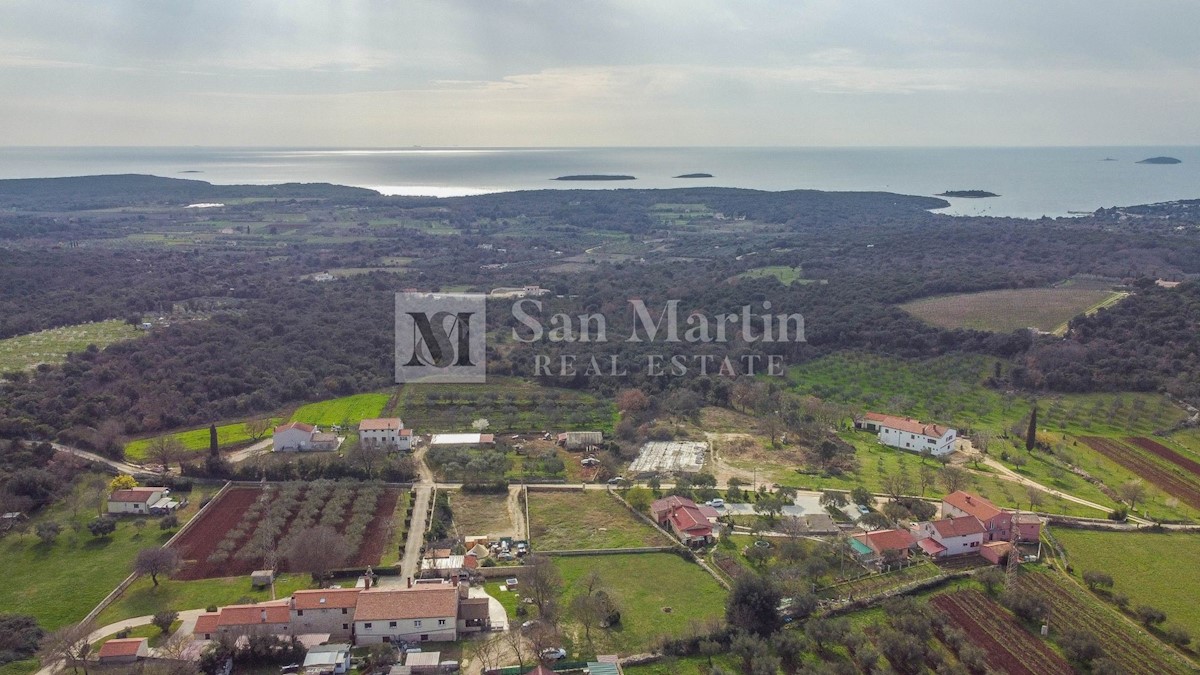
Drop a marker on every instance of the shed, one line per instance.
(123, 650)
(423, 662)
(995, 552)
(262, 577)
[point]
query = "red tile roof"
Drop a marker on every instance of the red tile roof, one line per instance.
(931, 547)
(295, 425)
(418, 602)
(664, 506)
(381, 424)
(253, 615)
(121, 647)
(689, 519)
(961, 526)
(908, 425)
(885, 540)
(972, 504)
(137, 494)
(207, 623)
(326, 597)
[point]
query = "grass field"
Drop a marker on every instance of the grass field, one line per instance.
(1152, 569)
(25, 667)
(586, 520)
(348, 410)
(644, 586)
(1047, 309)
(786, 275)
(143, 598)
(507, 598)
(508, 404)
(196, 440)
(60, 583)
(52, 346)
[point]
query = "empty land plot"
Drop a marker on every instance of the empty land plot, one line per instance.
(481, 514)
(588, 519)
(348, 410)
(658, 594)
(1047, 309)
(228, 435)
(670, 457)
(1151, 568)
(508, 404)
(52, 346)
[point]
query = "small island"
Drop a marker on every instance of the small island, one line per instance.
(695, 175)
(596, 176)
(968, 194)
(1161, 160)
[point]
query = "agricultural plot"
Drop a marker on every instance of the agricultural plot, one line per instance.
(1163, 452)
(589, 519)
(1122, 641)
(346, 411)
(1046, 309)
(509, 405)
(52, 346)
(1172, 479)
(196, 440)
(1151, 569)
(1010, 648)
(237, 534)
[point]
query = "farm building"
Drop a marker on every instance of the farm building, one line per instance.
(996, 552)
(685, 520)
(997, 522)
(874, 545)
(949, 536)
(580, 440)
(386, 432)
(293, 437)
(461, 439)
(271, 618)
(138, 500)
(326, 610)
(328, 658)
(418, 614)
(206, 627)
(123, 650)
(906, 433)
(323, 441)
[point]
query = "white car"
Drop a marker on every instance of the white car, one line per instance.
(554, 653)
(716, 503)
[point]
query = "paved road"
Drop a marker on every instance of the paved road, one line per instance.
(259, 448)
(410, 564)
(1010, 475)
(119, 466)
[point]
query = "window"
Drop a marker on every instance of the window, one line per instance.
(391, 624)
(367, 625)
(345, 626)
(343, 610)
(441, 622)
(299, 612)
(424, 638)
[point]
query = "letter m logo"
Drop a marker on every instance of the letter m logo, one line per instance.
(440, 337)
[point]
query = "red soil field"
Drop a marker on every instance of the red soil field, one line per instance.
(202, 539)
(1122, 641)
(1010, 648)
(1185, 488)
(1163, 452)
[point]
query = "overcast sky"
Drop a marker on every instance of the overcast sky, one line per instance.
(620, 72)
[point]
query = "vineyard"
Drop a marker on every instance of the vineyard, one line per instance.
(1010, 648)
(1131, 648)
(248, 526)
(1163, 452)
(1179, 484)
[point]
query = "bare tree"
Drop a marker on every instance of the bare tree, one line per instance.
(545, 584)
(897, 484)
(954, 478)
(165, 450)
(258, 428)
(1132, 491)
(156, 561)
(368, 455)
(925, 477)
(1035, 495)
(517, 645)
(69, 644)
(318, 551)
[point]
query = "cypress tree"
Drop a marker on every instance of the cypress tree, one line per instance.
(1031, 435)
(212, 441)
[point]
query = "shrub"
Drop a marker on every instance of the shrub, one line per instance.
(168, 522)
(1177, 636)
(163, 620)
(102, 526)
(1150, 615)
(48, 531)
(1097, 579)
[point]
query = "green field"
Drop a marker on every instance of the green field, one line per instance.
(195, 440)
(1046, 309)
(508, 404)
(25, 667)
(346, 411)
(658, 594)
(52, 346)
(1152, 569)
(588, 519)
(143, 598)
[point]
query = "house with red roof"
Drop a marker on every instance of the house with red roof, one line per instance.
(872, 546)
(949, 536)
(418, 614)
(907, 433)
(323, 610)
(686, 520)
(293, 437)
(270, 618)
(137, 500)
(997, 522)
(387, 432)
(206, 626)
(123, 650)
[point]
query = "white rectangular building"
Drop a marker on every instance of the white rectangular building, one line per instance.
(386, 432)
(906, 433)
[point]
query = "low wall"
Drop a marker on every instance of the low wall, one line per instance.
(611, 551)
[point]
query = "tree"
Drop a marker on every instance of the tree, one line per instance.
(379, 657)
(753, 604)
(1177, 636)
(69, 643)
(214, 447)
(925, 476)
(258, 428)
(954, 478)
(1031, 432)
(156, 561)
(710, 648)
(19, 636)
(368, 456)
(862, 496)
(165, 451)
(1035, 496)
(1097, 579)
(122, 482)
(1132, 491)
(824, 631)
(834, 498)
(1027, 605)
(47, 531)
(874, 521)
(1080, 646)
(990, 577)
(318, 551)
(897, 484)
(163, 620)
(638, 498)
(102, 526)
(587, 610)
(544, 583)
(1149, 615)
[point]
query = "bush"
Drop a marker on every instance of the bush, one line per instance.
(102, 526)
(48, 531)
(163, 620)
(1028, 606)
(1118, 514)
(1081, 646)
(1149, 615)
(168, 522)
(1097, 579)
(1177, 636)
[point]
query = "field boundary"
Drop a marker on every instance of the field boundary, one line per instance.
(610, 551)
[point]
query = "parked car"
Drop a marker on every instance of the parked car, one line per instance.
(554, 653)
(616, 480)
(716, 503)
(863, 510)
(290, 668)
(529, 625)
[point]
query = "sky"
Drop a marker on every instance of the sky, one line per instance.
(515, 73)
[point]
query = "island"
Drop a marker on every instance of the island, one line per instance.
(695, 175)
(1160, 160)
(968, 194)
(596, 176)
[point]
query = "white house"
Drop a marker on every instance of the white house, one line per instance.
(422, 613)
(950, 536)
(134, 500)
(293, 437)
(385, 432)
(909, 434)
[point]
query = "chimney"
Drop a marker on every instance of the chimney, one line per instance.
(264, 616)
(366, 582)
(410, 582)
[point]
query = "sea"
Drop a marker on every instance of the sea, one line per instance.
(1031, 182)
